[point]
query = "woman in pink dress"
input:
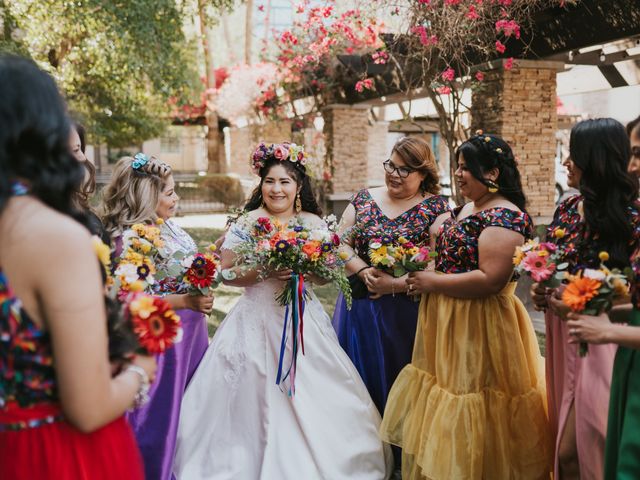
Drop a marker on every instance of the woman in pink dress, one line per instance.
(603, 217)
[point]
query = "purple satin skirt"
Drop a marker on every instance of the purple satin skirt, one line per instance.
(156, 423)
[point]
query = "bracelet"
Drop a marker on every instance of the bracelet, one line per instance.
(362, 269)
(142, 395)
(393, 290)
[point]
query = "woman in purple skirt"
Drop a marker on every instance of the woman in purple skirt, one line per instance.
(142, 191)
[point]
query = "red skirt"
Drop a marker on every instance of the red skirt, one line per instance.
(59, 451)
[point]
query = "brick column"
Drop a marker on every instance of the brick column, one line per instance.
(346, 132)
(520, 106)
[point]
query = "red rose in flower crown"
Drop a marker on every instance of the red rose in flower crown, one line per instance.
(155, 324)
(280, 151)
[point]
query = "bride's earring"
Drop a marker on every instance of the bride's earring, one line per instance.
(298, 203)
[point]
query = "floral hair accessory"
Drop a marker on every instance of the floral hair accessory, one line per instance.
(139, 161)
(280, 151)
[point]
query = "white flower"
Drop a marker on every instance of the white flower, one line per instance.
(375, 245)
(128, 271)
(594, 274)
(187, 261)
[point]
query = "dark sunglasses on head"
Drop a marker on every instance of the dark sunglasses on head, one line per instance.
(403, 172)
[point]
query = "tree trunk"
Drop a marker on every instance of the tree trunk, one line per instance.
(248, 29)
(214, 165)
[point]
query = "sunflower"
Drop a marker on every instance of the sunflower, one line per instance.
(579, 292)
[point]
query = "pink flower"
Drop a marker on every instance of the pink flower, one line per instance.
(261, 8)
(425, 39)
(281, 152)
(508, 65)
(443, 90)
(448, 75)
(479, 76)
(473, 14)
(423, 255)
(500, 47)
(537, 267)
(508, 27)
(367, 84)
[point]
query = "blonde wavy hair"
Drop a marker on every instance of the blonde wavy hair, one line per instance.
(132, 195)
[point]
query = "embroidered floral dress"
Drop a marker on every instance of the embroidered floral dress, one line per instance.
(470, 405)
(583, 382)
(35, 440)
(378, 334)
(156, 423)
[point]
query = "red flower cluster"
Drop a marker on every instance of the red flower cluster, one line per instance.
(155, 324)
(202, 272)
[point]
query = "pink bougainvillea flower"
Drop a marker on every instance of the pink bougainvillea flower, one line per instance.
(508, 27)
(472, 13)
(448, 75)
(443, 90)
(366, 84)
(508, 64)
(500, 47)
(479, 76)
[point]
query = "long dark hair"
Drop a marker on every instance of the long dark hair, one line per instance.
(298, 173)
(88, 187)
(34, 137)
(483, 153)
(600, 149)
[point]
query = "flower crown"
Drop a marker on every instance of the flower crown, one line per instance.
(280, 151)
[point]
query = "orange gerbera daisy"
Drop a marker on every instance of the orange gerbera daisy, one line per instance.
(579, 291)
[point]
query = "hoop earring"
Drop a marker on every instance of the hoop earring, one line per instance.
(492, 186)
(298, 203)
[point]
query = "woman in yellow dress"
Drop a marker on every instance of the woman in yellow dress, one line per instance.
(471, 404)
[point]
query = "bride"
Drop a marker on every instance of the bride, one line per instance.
(235, 422)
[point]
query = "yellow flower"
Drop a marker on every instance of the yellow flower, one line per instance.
(413, 251)
(159, 221)
(136, 286)
(518, 256)
(343, 255)
(402, 240)
(212, 247)
(145, 247)
(379, 255)
(142, 306)
(620, 287)
(102, 251)
(603, 256)
(543, 253)
(559, 232)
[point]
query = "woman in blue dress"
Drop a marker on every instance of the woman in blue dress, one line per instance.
(378, 332)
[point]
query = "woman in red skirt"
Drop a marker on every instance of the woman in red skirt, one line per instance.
(61, 412)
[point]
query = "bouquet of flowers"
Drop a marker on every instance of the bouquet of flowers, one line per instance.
(141, 246)
(398, 257)
(542, 261)
(592, 291)
(269, 245)
(137, 322)
(202, 272)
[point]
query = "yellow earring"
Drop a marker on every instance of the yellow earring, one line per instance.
(298, 203)
(492, 186)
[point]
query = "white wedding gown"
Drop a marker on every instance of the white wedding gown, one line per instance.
(237, 424)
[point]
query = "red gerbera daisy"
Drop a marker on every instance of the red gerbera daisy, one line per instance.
(202, 272)
(155, 324)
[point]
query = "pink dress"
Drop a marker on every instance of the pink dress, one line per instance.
(571, 379)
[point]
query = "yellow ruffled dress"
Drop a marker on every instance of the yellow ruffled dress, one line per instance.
(472, 402)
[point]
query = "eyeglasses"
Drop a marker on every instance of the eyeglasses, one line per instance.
(403, 172)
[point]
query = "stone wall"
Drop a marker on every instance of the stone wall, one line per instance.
(377, 152)
(520, 106)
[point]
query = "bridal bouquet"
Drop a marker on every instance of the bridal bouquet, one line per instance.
(592, 291)
(398, 257)
(542, 261)
(269, 245)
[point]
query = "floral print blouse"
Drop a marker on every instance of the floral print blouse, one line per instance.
(581, 251)
(175, 240)
(26, 358)
(457, 243)
(412, 224)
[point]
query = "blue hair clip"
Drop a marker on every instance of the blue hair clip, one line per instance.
(139, 160)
